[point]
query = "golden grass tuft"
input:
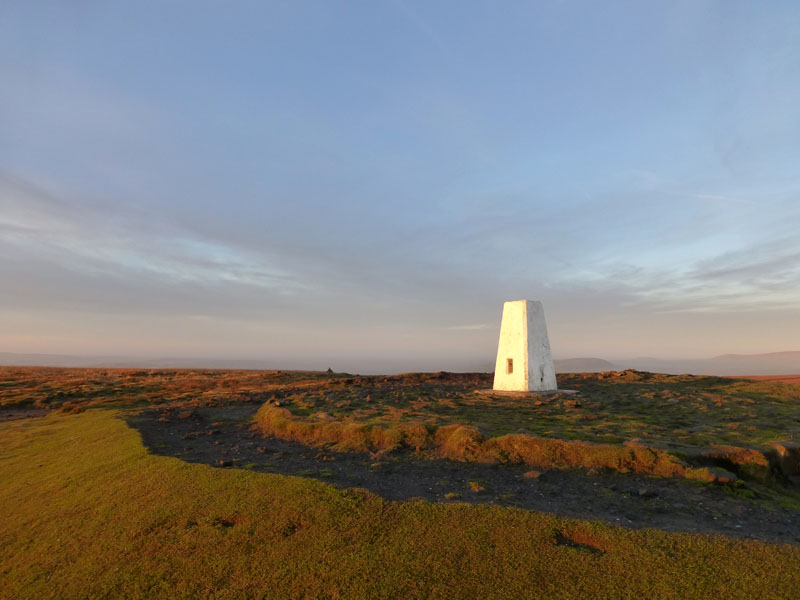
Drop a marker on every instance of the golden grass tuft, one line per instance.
(467, 444)
(459, 442)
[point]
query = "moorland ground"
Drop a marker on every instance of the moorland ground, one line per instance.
(105, 491)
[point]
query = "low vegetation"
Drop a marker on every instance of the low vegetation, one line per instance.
(88, 513)
(78, 389)
(611, 407)
(464, 443)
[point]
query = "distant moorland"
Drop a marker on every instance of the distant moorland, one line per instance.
(773, 363)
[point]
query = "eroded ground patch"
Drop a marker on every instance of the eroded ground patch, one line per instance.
(222, 436)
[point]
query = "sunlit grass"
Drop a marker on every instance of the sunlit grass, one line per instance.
(88, 513)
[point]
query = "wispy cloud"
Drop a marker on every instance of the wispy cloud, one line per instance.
(116, 247)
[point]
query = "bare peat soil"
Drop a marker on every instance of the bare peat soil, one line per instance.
(14, 413)
(221, 436)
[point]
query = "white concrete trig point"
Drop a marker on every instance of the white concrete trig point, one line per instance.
(524, 362)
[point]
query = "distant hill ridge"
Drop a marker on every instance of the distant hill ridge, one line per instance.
(788, 354)
(771, 363)
(583, 365)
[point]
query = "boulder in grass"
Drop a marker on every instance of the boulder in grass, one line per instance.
(722, 476)
(748, 463)
(788, 458)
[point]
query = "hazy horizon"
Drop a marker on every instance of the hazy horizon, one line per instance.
(374, 180)
(780, 363)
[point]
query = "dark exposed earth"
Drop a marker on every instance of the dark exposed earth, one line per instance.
(222, 437)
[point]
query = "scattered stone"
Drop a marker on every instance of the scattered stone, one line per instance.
(323, 416)
(721, 475)
(225, 463)
(186, 414)
(214, 432)
(532, 474)
(645, 492)
(476, 486)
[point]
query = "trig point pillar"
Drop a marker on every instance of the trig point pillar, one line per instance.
(524, 362)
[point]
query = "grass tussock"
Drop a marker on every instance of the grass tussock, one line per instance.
(343, 436)
(467, 444)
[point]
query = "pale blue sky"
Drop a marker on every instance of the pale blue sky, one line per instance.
(366, 182)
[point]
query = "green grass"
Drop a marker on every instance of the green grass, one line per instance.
(88, 513)
(699, 411)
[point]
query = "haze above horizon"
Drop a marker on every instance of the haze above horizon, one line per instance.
(375, 178)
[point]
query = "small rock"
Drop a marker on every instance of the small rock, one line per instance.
(476, 486)
(645, 492)
(722, 476)
(788, 457)
(532, 474)
(225, 463)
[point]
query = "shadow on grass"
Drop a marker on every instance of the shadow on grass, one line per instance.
(219, 436)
